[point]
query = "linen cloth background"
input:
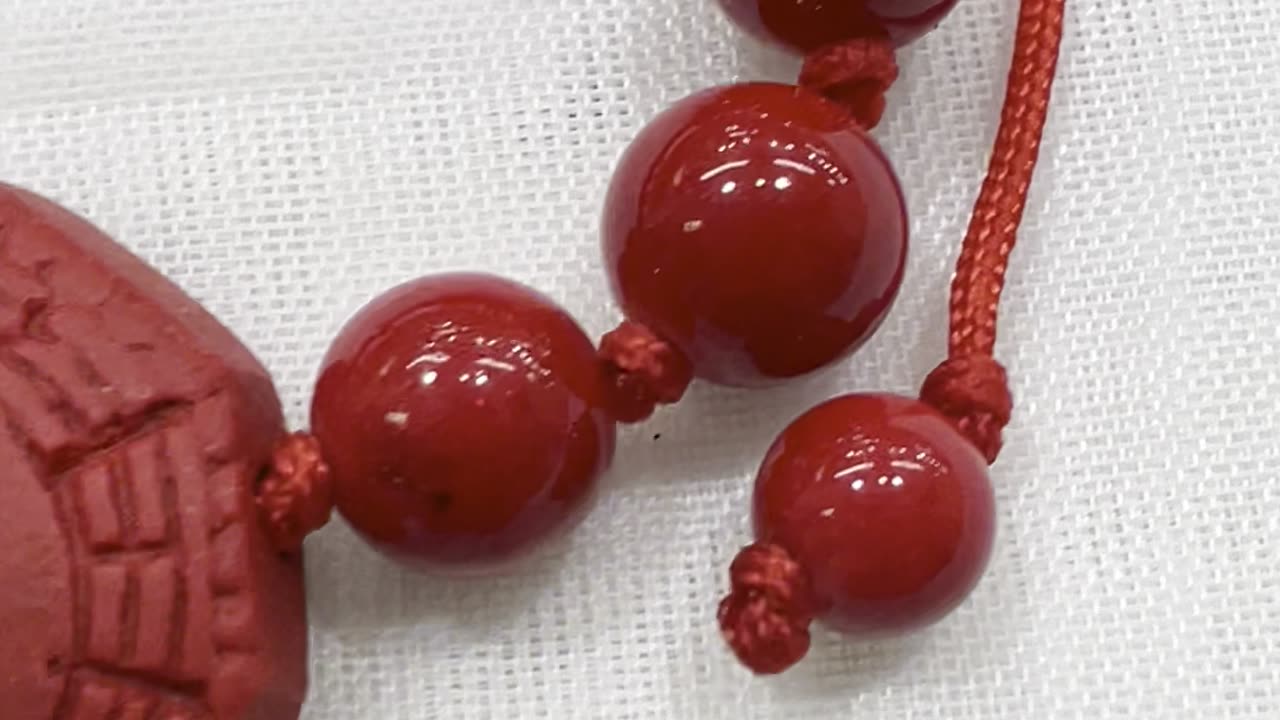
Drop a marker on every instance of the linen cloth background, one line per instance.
(284, 160)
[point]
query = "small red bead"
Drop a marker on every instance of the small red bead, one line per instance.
(757, 229)
(463, 417)
(806, 25)
(884, 505)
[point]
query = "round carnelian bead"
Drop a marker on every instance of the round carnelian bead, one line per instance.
(463, 418)
(886, 508)
(806, 25)
(758, 230)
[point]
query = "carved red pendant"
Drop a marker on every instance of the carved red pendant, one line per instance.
(135, 578)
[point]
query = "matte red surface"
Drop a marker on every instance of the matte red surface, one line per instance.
(806, 25)
(463, 418)
(884, 504)
(759, 231)
(135, 578)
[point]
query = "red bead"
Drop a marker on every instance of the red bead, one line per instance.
(758, 230)
(806, 25)
(463, 419)
(884, 505)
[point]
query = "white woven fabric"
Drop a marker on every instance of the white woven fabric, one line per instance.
(284, 160)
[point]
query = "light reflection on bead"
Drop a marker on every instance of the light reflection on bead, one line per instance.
(463, 419)
(885, 506)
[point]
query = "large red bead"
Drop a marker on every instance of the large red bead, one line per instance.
(758, 230)
(463, 417)
(806, 25)
(884, 505)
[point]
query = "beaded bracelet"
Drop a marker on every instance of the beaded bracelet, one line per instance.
(155, 508)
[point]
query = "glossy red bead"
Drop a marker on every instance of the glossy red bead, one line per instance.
(758, 230)
(806, 25)
(886, 507)
(463, 419)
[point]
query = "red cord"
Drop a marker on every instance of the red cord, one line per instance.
(642, 371)
(766, 617)
(856, 74)
(295, 497)
(970, 386)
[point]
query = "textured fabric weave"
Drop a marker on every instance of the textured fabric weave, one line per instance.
(284, 160)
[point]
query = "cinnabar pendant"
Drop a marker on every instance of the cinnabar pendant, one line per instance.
(136, 580)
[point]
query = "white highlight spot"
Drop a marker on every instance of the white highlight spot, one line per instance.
(793, 165)
(398, 419)
(724, 168)
(496, 364)
(435, 358)
(854, 469)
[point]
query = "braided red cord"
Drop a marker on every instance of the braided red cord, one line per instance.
(970, 387)
(295, 496)
(642, 371)
(855, 74)
(767, 615)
